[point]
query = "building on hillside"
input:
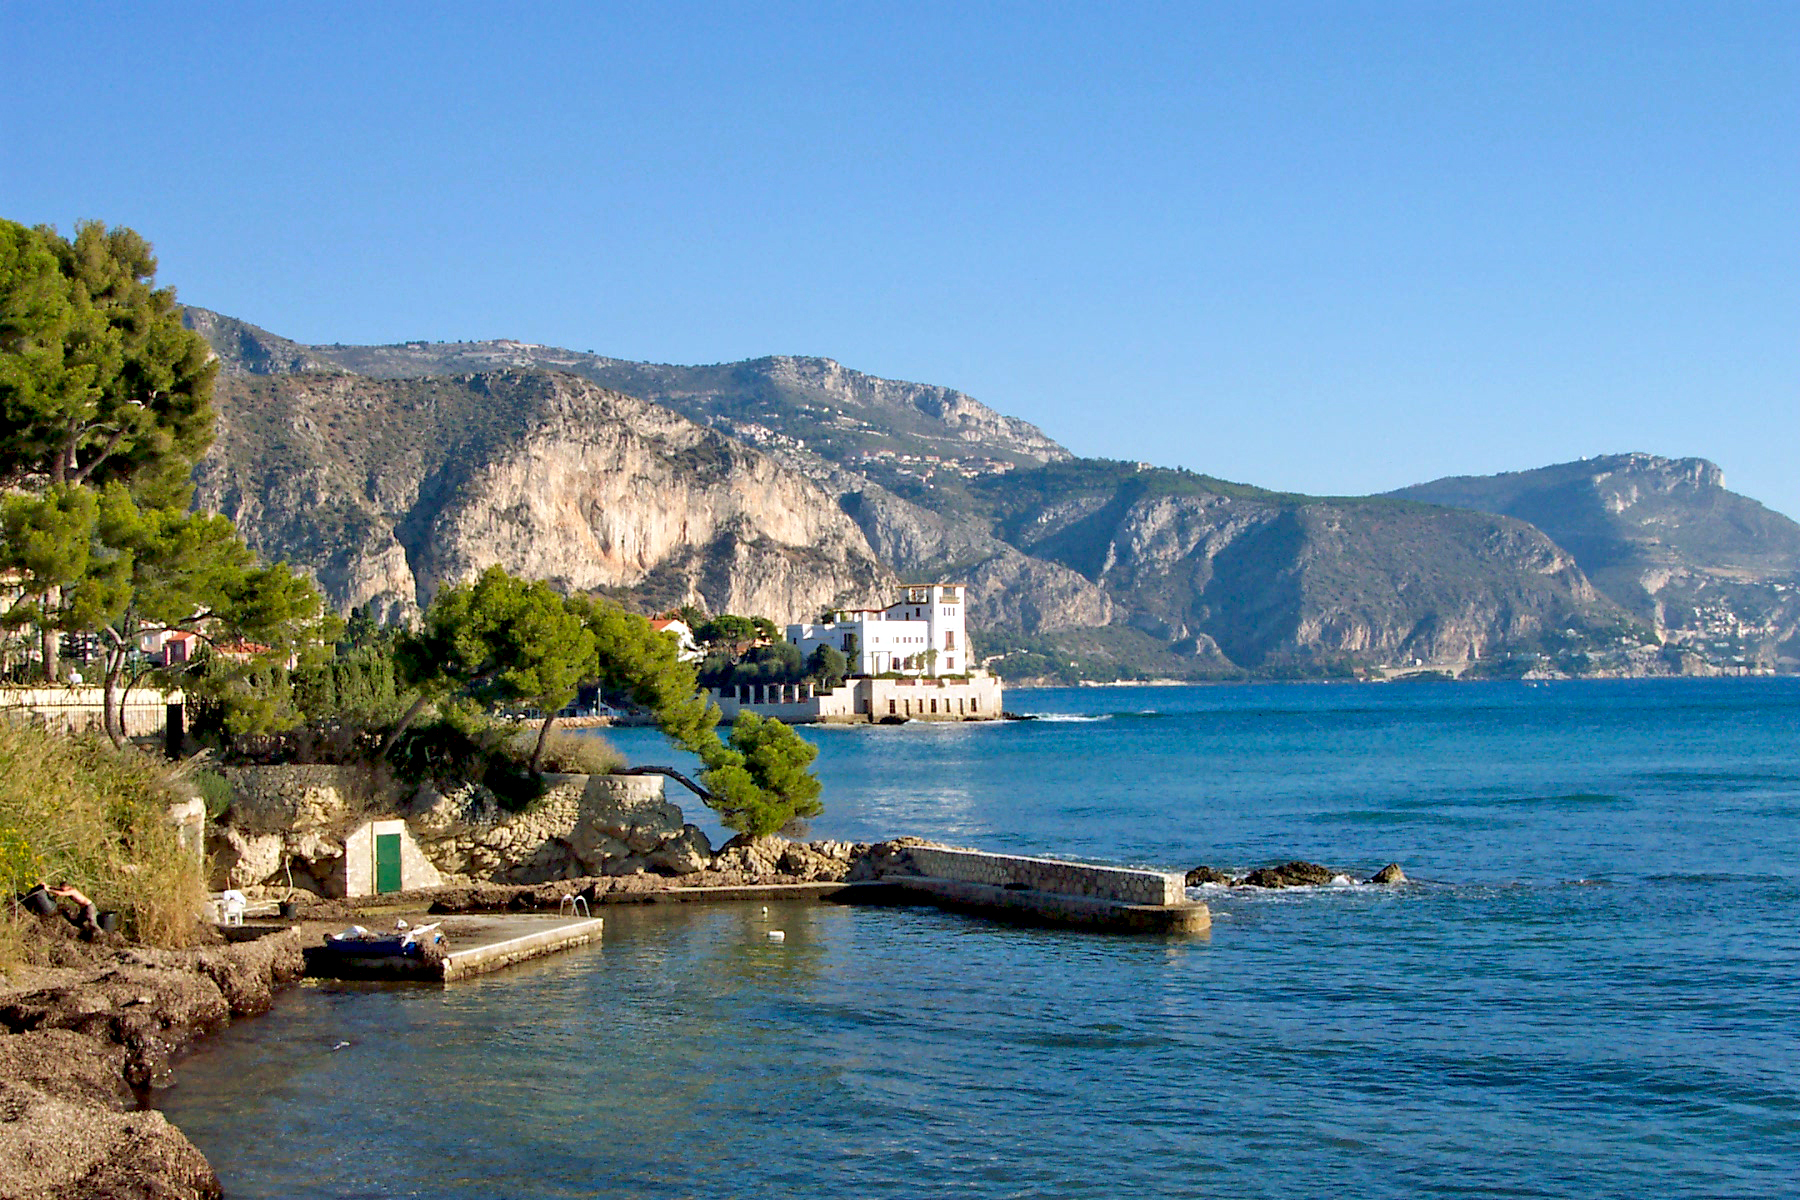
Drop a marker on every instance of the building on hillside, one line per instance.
(867, 700)
(687, 649)
(923, 633)
(909, 661)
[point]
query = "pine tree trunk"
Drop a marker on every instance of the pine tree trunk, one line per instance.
(418, 706)
(112, 715)
(537, 752)
(52, 648)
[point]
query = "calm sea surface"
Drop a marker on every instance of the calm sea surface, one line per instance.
(1593, 989)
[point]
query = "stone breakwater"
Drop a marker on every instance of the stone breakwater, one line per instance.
(1120, 884)
(84, 1036)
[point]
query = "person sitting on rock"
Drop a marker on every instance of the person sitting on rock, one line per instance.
(88, 918)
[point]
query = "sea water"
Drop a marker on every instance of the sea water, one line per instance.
(1590, 988)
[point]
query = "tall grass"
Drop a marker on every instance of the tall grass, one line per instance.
(572, 753)
(75, 810)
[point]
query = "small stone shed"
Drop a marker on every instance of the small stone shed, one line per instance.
(382, 857)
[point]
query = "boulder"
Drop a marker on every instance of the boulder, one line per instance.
(1289, 874)
(687, 854)
(1389, 874)
(1203, 875)
(243, 858)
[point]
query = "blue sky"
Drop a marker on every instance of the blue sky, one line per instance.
(1334, 248)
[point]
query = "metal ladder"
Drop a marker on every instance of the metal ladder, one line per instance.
(578, 906)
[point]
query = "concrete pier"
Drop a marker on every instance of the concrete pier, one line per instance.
(1039, 891)
(1005, 887)
(1026, 906)
(477, 945)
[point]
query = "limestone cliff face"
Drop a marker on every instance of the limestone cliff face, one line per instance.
(1279, 581)
(1007, 589)
(390, 489)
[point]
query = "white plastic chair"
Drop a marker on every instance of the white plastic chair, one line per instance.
(232, 904)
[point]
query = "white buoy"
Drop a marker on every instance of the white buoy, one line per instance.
(765, 911)
(776, 935)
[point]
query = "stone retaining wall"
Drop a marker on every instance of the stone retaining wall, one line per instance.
(1121, 884)
(306, 822)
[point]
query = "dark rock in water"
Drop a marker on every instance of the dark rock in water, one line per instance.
(1200, 875)
(1389, 874)
(1288, 874)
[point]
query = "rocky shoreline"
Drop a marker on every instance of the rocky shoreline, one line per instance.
(85, 1037)
(88, 1035)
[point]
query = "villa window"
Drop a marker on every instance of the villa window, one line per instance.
(949, 639)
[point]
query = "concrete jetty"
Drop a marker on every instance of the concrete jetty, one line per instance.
(477, 945)
(1007, 887)
(1039, 891)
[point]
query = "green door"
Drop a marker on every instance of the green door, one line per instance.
(387, 862)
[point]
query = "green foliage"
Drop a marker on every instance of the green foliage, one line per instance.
(638, 665)
(105, 406)
(726, 629)
(827, 668)
(99, 380)
(777, 662)
(229, 700)
(762, 779)
(358, 686)
(1071, 656)
(499, 640)
(57, 544)
(215, 791)
(457, 749)
(75, 810)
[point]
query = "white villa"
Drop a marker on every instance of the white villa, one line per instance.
(909, 661)
(922, 633)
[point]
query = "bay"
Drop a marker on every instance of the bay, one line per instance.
(1590, 987)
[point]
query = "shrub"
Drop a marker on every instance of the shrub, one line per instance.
(75, 810)
(571, 753)
(215, 790)
(451, 750)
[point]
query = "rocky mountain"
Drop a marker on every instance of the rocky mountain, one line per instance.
(388, 489)
(907, 430)
(1294, 584)
(780, 485)
(1707, 568)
